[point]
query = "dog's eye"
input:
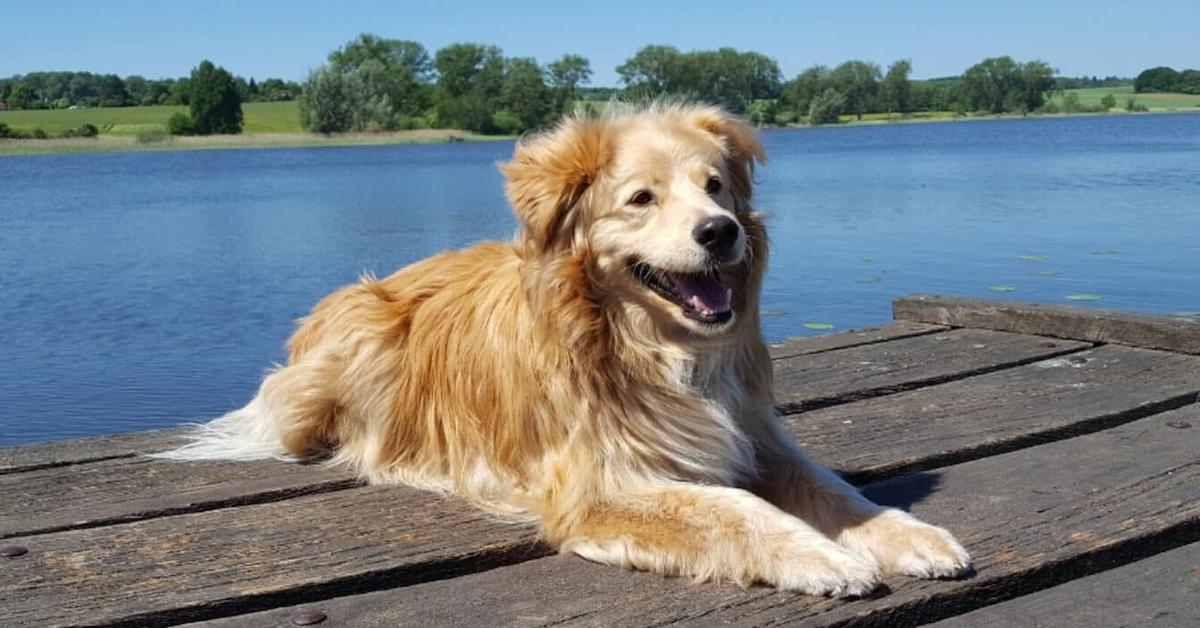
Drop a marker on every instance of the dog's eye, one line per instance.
(642, 198)
(713, 186)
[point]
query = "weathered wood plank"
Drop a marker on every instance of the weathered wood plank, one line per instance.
(127, 489)
(59, 453)
(1162, 590)
(109, 483)
(822, 379)
(1032, 519)
(988, 414)
(194, 566)
(1094, 325)
(808, 345)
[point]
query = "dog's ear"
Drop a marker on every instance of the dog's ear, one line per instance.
(548, 175)
(742, 148)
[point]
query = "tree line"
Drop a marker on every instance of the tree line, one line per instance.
(1164, 79)
(60, 90)
(379, 84)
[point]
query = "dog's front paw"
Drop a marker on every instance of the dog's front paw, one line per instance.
(826, 568)
(901, 544)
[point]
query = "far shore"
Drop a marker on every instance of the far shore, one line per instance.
(129, 143)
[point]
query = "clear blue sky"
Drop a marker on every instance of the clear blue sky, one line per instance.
(263, 38)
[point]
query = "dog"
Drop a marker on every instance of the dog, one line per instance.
(604, 373)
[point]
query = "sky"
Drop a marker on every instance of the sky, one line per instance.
(285, 39)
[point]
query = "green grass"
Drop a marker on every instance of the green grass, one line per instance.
(260, 117)
(1091, 96)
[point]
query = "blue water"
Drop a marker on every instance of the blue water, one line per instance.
(141, 290)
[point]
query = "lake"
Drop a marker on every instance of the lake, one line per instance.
(142, 290)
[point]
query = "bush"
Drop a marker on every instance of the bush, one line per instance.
(1131, 104)
(826, 107)
(1050, 107)
(83, 130)
(1109, 101)
(6, 132)
(1070, 103)
(39, 134)
(506, 122)
(180, 123)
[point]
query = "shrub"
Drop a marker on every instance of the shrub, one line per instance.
(1109, 101)
(1050, 107)
(180, 123)
(506, 122)
(6, 132)
(39, 134)
(83, 130)
(1131, 104)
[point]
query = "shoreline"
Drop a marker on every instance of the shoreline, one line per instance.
(129, 143)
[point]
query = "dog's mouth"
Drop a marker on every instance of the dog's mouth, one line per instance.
(701, 296)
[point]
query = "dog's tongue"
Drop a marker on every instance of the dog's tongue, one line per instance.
(704, 292)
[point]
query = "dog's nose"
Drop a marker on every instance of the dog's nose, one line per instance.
(717, 235)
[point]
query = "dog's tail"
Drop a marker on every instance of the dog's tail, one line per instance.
(252, 432)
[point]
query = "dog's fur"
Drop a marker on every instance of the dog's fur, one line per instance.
(544, 377)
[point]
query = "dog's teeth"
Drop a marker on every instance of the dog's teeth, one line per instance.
(729, 293)
(694, 301)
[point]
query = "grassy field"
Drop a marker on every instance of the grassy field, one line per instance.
(1154, 101)
(260, 117)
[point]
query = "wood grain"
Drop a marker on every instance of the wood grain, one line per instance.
(170, 569)
(127, 489)
(1032, 519)
(804, 382)
(807, 345)
(82, 450)
(997, 412)
(1172, 333)
(1162, 590)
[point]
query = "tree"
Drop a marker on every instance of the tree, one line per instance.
(896, 88)
(1160, 79)
(404, 80)
(22, 96)
(325, 103)
(470, 80)
(826, 107)
(525, 93)
(987, 85)
(799, 92)
(112, 91)
(566, 75)
(213, 100)
(652, 71)
(858, 82)
(1108, 102)
(1036, 84)
(1071, 103)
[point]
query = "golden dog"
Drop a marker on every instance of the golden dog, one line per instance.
(604, 373)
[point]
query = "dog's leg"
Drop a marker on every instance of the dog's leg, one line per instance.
(896, 540)
(716, 533)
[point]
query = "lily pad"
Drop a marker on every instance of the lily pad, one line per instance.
(1033, 258)
(1045, 273)
(1083, 297)
(1104, 252)
(1002, 289)
(818, 326)
(867, 280)
(772, 313)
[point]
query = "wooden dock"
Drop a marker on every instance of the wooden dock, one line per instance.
(1061, 445)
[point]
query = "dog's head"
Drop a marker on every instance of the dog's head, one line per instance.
(658, 201)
